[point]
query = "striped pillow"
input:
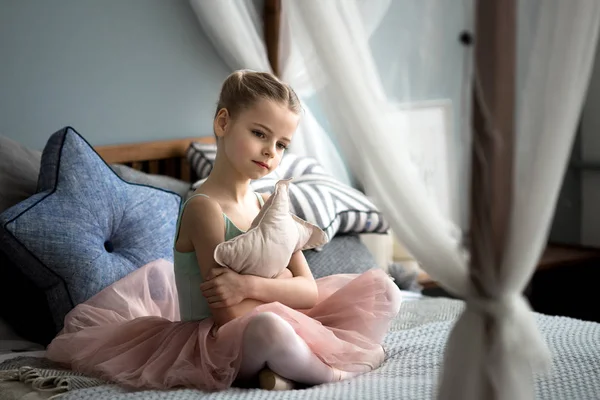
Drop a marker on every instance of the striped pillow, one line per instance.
(330, 204)
(315, 196)
(201, 157)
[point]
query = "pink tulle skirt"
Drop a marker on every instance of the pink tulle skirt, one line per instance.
(130, 332)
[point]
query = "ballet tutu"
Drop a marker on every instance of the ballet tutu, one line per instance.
(130, 332)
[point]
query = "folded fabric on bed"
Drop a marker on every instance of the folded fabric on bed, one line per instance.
(40, 376)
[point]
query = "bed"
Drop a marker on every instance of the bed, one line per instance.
(414, 345)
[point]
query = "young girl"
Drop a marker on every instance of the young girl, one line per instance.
(233, 328)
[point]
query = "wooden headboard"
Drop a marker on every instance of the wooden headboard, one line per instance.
(164, 157)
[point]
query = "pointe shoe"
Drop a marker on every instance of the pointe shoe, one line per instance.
(269, 380)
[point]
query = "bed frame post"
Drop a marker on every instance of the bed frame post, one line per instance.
(493, 135)
(493, 121)
(493, 124)
(271, 20)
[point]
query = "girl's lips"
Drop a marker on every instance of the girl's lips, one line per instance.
(260, 164)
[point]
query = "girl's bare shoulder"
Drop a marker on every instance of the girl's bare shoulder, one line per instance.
(201, 222)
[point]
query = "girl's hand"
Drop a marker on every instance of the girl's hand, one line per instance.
(224, 288)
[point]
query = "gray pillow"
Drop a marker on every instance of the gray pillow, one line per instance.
(131, 175)
(22, 306)
(344, 254)
(19, 168)
(10, 341)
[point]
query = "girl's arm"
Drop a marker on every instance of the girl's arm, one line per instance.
(298, 292)
(203, 224)
(296, 289)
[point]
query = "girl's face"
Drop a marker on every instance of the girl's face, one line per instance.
(255, 140)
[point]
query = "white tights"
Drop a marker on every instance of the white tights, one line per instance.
(270, 341)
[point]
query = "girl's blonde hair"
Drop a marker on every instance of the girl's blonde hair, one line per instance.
(244, 88)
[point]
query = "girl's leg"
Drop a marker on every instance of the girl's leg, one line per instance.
(270, 342)
(372, 322)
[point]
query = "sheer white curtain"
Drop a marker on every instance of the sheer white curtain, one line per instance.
(556, 42)
(293, 62)
(333, 35)
(235, 29)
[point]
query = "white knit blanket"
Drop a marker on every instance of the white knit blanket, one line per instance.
(415, 346)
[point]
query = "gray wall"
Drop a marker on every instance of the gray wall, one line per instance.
(577, 219)
(590, 159)
(430, 67)
(567, 224)
(124, 71)
(118, 71)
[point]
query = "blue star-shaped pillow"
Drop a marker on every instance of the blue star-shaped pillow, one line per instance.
(85, 228)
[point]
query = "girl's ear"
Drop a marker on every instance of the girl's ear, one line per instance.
(221, 121)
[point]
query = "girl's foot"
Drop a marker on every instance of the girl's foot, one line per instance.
(269, 380)
(339, 375)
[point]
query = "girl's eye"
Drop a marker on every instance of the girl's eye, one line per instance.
(258, 134)
(282, 146)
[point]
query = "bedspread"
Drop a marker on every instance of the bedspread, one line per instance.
(415, 346)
